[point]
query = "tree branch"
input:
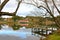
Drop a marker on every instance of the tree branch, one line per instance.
(44, 8)
(55, 19)
(29, 3)
(17, 7)
(55, 6)
(47, 5)
(3, 4)
(6, 13)
(35, 2)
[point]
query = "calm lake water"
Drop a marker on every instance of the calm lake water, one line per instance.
(23, 33)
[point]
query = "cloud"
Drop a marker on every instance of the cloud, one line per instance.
(24, 9)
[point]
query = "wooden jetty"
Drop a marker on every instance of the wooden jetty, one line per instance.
(43, 31)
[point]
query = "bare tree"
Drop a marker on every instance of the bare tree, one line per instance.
(51, 13)
(47, 8)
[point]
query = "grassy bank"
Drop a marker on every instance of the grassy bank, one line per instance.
(54, 36)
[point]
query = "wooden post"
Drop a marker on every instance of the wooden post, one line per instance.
(52, 29)
(46, 31)
(42, 31)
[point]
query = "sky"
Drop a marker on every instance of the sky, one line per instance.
(23, 10)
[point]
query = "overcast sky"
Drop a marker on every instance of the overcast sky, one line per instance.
(24, 9)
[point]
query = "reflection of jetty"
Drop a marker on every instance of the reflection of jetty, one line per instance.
(44, 31)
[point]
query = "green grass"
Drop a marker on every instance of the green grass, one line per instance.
(55, 36)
